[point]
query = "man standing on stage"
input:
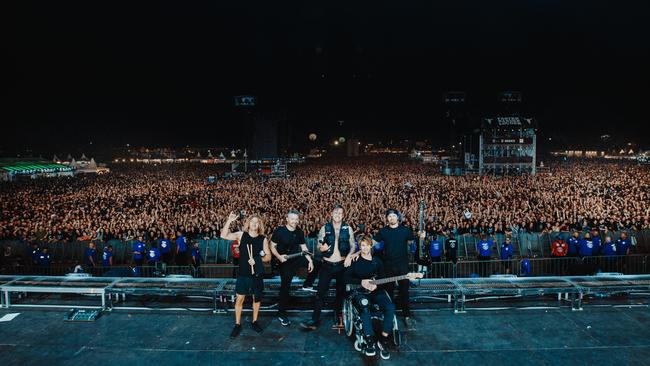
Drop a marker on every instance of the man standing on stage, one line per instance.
(254, 250)
(396, 240)
(286, 240)
(336, 244)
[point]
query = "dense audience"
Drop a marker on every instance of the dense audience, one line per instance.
(154, 201)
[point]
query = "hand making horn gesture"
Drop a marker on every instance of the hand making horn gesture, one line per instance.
(232, 217)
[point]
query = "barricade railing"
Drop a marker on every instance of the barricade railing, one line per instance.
(218, 251)
(559, 266)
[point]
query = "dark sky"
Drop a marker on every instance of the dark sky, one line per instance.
(165, 72)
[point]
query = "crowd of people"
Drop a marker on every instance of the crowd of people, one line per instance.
(163, 200)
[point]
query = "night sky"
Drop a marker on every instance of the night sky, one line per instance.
(164, 73)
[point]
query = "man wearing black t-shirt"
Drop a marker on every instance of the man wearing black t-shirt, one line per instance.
(396, 240)
(288, 239)
(451, 254)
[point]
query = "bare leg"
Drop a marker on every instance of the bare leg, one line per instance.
(256, 309)
(239, 305)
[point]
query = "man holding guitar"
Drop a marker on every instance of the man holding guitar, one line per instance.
(289, 248)
(336, 244)
(368, 271)
(396, 240)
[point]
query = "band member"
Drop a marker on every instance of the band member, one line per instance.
(336, 244)
(253, 249)
(286, 240)
(396, 240)
(363, 269)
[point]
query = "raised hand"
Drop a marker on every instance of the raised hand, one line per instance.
(232, 217)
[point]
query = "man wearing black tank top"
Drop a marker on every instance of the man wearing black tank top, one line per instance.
(286, 240)
(253, 249)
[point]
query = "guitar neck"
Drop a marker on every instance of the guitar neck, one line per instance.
(388, 280)
(295, 255)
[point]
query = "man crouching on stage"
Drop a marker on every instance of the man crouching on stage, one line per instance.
(362, 270)
(253, 250)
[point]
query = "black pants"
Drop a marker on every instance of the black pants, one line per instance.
(398, 268)
(450, 266)
(287, 271)
(328, 272)
(181, 259)
(311, 276)
(386, 306)
(435, 267)
(167, 258)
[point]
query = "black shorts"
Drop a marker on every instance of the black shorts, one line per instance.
(250, 285)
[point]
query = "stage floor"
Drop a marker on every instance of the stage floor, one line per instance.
(595, 336)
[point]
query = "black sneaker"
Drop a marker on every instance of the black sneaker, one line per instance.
(383, 345)
(310, 324)
(370, 350)
(235, 331)
(284, 321)
(257, 327)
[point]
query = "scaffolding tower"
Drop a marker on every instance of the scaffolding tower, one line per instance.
(507, 146)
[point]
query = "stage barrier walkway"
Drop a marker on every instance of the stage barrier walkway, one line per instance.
(110, 291)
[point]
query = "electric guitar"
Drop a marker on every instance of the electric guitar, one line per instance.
(422, 254)
(381, 281)
(296, 255)
(275, 263)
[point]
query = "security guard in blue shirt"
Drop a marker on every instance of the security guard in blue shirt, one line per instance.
(153, 255)
(609, 247)
(623, 244)
(35, 252)
(107, 256)
(586, 246)
(436, 248)
(595, 237)
(89, 257)
(196, 259)
(525, 267)
(573, 243)
(506, 249)
(506, 254)
(165, 246)
(139, 249)
(484, 248)
(181, 249)
(44, 258)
